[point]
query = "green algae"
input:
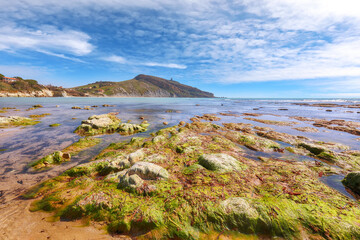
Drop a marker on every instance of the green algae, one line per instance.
(65, 155)
(290, 201)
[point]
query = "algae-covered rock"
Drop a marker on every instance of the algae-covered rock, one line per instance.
(131, 181)
(120, 162)
(98, 124)
(240, 207)
(220, 162)
(14, 121)
(114, 177)
(352, 181)
(238, 213)
(136, 156)
(130, 128)
(55, 158)
(159, 139)
(148, 171)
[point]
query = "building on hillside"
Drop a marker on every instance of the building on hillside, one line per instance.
(9, 79)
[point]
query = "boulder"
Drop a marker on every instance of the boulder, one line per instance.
(98, 124)
(352, 181)
(120, 162)
(136, 156)
(114, 177)
(132, 181)
(220, 162)
(100, 121)
(239, 214)
(159, 139)
(148, 171)
(240, 207)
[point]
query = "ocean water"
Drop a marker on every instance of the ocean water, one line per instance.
(20, 146)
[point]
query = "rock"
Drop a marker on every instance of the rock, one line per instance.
(352, 181)
(98, 124)
(120, 162)
(328, 110)
(75, 107)
(114, 177)
(16, 121)
(66, 156)
(130, 128)
(220, 162)
(239, 214)
(148, 171)
(155, 158)
(306, 129)
(165, 123)
(181, 123)
(136, 156)
(239, 207)
(132, 181)
(159, 139)
(57, 106)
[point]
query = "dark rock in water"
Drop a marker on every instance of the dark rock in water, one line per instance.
(352, 181)
(255, 108)
(328, 110)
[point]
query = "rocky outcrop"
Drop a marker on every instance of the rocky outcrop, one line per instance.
(14, 121)
(220, 162)
(108, 123)
(148, 171)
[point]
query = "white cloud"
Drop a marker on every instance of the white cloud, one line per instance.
(166, 65)
(115, 59)
(46, 39)
(122, 60)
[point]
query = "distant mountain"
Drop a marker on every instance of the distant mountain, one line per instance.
(142, 86)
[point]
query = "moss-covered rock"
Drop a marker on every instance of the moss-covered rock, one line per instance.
(220, 162)
(352, 181)
(15, 121)
(107, 124)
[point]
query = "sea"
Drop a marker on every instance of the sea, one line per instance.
(22, 145)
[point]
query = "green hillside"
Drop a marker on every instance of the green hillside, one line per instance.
(142, 86)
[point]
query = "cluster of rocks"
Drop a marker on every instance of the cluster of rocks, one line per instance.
(108, 123)
(84, 108)
(205, 117)
(54, 158)
(138, 171)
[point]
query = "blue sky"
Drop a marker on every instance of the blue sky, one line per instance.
(238, 48)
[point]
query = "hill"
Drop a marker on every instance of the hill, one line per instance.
(142, 86)
(31, 88)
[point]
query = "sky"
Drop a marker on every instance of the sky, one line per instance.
(234, 48)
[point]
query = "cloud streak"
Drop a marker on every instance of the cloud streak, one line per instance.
(46, 39)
